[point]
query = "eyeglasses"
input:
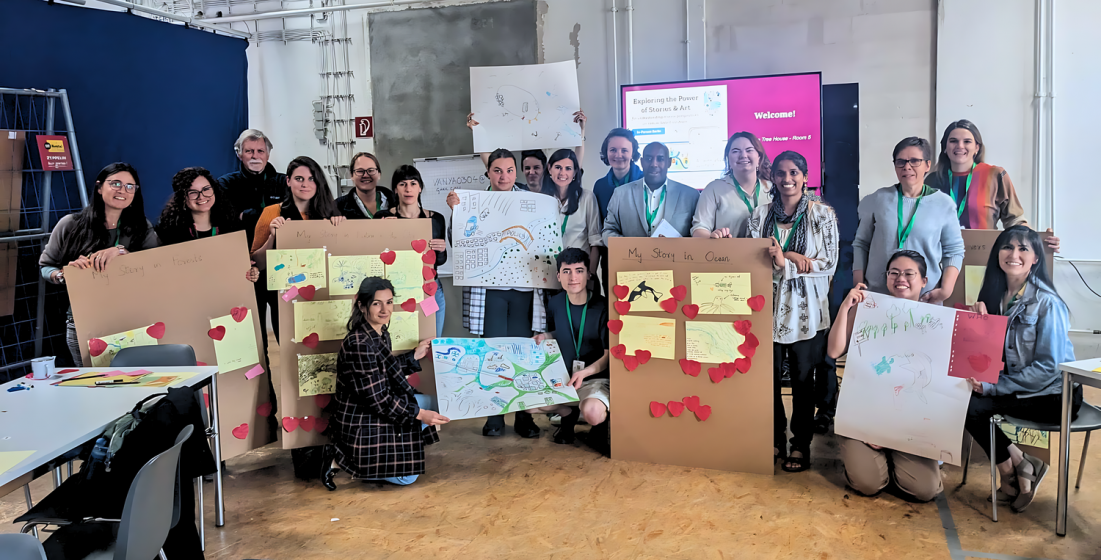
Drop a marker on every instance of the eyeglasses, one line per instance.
(909, 275)
(365, 172)
(206, 192)
(118, 186)
(914, 162)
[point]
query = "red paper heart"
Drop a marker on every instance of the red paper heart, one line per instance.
(630, 362)
(311, 340)
(388, 257)
(217, 333)
(742, 364)
(615, 325)
(320, 424)
(622, 307)
(198, 363)
(290, 423)
(238, 313)
(703, 412)
(620, 291)
(657, 409)
(742, 327)
(307, 292)
(430, 288)
(679, 292)
(414, 380)
(756, 303)
(751, 340)
(96, 346)
(691, 403)
(156, 330)
(429, 258)
(643, 356)
(669, 305)
(746, 350)
(206, 397)
(716, 374)
(675, 408)
(728, 369)
(419, 245)
(618, 351)
(979, 362)
(307, 423)
(690, 310)
(322, 400)
(264, 409)
(240, 432)
(409, 305)
(690, 367)
(428, 273)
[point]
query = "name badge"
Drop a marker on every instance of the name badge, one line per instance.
(578, 365)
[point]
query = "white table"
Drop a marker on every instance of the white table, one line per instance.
(52, 420)
(1082, 372)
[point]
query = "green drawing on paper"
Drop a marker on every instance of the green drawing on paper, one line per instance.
(316, 374)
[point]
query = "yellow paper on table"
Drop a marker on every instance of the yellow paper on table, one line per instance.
(316, 374)
(657, 335)
(1027, 436)
(237, 349)
(116, 342)
(972, 282)
(329, 319)
(163, 380)
(404, 331)
(295, 267)
(711, 343)
(346, 272)
(647, 288)
(9, 459)
(721, 293)
(406, 276)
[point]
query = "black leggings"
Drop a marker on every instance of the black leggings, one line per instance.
(1044, 409)
(803, 357)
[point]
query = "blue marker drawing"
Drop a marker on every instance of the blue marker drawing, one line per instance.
(280, 266)
(883, 366)
(471, 226)
(297, 278)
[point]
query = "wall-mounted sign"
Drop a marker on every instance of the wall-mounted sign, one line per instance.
(365, 127)
(54, 153)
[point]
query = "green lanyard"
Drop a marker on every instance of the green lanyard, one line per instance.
(378, 203)
(776, 232)
(195, 232)
(904, 233)
(1013, 300)
(581, 331)
(745, 199)
(650, 216)
(565, 220)
(962, 201)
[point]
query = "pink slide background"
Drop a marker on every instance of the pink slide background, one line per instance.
(801, 93)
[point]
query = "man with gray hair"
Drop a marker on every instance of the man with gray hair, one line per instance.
(256, 183)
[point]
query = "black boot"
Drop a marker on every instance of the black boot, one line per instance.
(597, 438)
(495, 426)
(327, 478)
(564, 433)
(525, 425)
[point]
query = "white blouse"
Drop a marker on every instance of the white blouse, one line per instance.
(583, 227)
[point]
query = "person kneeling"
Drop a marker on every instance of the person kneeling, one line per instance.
(380, 427)
(578, 319)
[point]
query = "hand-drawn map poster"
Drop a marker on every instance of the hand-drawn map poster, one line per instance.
(506, 239)
(527, 107)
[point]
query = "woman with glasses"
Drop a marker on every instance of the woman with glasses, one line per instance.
(581, 224)
(803, 232)
(727, 203)
(368, 197)
(870, 468)
(113, 225)
(909, 215)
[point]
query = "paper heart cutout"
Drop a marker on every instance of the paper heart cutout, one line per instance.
(690, 310)
(979, 362)
(751, 340)
(156, 330)
(657, 409)
(409, 305)
(622, 307)
(742, 327)
(307, 423)
(264, 409)
(643, 356)
(428, 273)
(419, 245)
(414, 380)
(240, 432)
(620, 291)
(320, 424)
(388, 257)
(743, 364)
(679, 292)
(311, 340)
(746, 350)
(615, 325)
(756, 303)
(675, 408)
(238, 313)
(307, 292)
(630, 362)
(690, 367)
(716, 374)
(217, 333)
(728, 369)
(619, 351)
(669, 305)
(430, 288)
(429, 258)
(290, 423)
(96, 346)
(703, 412)
(198, 363)
(691, 403)
(322, 400)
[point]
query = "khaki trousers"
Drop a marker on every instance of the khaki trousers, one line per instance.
(869, 470)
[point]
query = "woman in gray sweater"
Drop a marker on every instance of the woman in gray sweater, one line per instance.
(913, 216)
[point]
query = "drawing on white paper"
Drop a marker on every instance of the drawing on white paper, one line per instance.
(525, 107)
(506, 239)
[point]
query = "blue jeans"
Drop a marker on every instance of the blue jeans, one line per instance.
(424, 401)
(440, 301)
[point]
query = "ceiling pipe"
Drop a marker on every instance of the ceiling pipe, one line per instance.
(307, 11)
(183, 19)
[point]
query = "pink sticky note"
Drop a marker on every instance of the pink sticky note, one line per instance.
(256, 370)
(429, 306)
(118, 372)
(291, 293)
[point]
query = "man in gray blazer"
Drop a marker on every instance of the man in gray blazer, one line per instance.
(637, 208)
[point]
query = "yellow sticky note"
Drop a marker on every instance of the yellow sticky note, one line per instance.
(316, 374)
(1026, 436)
(406, 276)
(657, 335)
(647, 288)
(711, 343)
(346, 272)
(329, 319)
(720, 293)
(295, 267)
(110, 345)
(237, 349)
(404, 331)
(9, 459)
(972, 282)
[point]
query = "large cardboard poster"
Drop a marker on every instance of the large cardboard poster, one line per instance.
(306, 369)
(978, 243)
(182, 294)
(670, 409)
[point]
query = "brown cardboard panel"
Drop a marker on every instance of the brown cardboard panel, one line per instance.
(9, 253)
(352, 237)
(738, 434)
(11, 178)
(978, 243)
(183, 286)
(12, 149)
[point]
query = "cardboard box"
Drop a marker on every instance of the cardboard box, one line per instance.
(12, 145)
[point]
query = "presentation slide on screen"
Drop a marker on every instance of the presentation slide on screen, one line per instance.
(695, 119)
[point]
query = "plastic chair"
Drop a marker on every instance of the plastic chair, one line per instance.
(21, 546)
(1089, 419)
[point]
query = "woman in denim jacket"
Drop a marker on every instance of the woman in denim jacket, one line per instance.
(1017, 284)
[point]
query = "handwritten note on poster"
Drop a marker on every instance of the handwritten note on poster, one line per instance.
(404, 331)
(316, 374)
(295, 267)
(237, 349)
(405, 275)
(104, 348)
(658, 335)
(720, 293)
(646, 288)
(972, 282)
(329, 319)
(347, 272)
(711, 342)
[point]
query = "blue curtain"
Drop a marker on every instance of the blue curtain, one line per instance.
(158, 96)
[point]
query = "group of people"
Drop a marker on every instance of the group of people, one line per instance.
(908, 244)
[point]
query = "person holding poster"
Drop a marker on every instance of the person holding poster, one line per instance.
(1017, 285)
(869, 468)
(619, 152)
(199, 208)
(113, 225)
(581, 223)
(909, 215)
(638, 208)
(379, 426)
(368, 197)
(727, 203)
(804, 237)
(983, 193)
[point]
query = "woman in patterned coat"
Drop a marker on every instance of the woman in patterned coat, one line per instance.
(379, 426)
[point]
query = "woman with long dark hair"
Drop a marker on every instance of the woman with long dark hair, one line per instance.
(379, 426)
(581, 223)
(113, 225)
(727, 203)
(804, 235)
(1017, 285)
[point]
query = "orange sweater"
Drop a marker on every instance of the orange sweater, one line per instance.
(263, 225)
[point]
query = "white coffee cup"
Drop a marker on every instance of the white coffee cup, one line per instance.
(42, 368)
